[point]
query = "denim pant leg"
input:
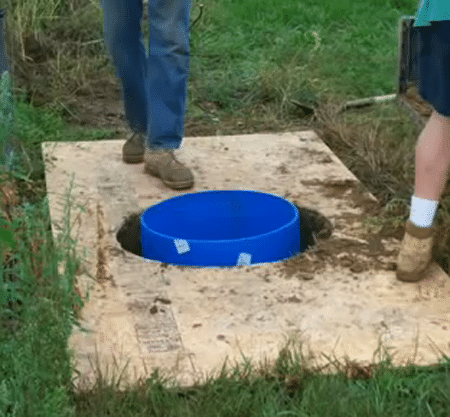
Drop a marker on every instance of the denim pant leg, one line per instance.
(168, 71)
(123, 40)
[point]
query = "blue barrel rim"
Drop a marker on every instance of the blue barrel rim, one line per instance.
(289, 224)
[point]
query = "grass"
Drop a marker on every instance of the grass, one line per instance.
(251, 57)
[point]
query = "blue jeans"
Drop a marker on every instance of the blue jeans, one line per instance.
(154, 85)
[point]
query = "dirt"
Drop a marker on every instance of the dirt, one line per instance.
(366, 252)
(360, 255)
(101, 109)
(129, 234)
(100, 106)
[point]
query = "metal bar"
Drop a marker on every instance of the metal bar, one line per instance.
(367, 101)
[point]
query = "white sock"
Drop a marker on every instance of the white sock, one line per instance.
(423, 211)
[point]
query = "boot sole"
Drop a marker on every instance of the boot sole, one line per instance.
(420, 234)
(174, 185)
(411, 277)
(133, 159)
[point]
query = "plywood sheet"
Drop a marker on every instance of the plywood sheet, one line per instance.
(339, 299)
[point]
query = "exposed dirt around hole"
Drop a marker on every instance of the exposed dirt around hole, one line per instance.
(365, 252)
(361, 253)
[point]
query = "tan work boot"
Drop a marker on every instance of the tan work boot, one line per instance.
(133, 149)
(163, 164)
(416, 252)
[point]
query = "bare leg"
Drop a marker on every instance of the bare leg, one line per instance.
(433, 157)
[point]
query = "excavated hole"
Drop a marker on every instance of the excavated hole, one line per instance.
(313, 226)
(358, 252)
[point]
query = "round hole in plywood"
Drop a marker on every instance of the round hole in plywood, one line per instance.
(230, 219)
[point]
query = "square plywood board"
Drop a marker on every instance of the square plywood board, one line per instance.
(340, 299)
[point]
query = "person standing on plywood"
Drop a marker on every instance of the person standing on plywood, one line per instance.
(154, 85)
(433, 146)
(154, 90)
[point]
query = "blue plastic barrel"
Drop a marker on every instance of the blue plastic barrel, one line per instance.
(221, 228)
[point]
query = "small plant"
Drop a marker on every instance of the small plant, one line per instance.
(6, 107)
(6, 123)
(6, 236)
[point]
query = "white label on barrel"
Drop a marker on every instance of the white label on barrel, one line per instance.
(244, 259)
(182, 246)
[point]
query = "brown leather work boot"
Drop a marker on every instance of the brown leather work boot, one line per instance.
(162, 164)
(133, 149)
(416, 252)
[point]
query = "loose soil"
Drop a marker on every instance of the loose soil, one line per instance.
(323, 248)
